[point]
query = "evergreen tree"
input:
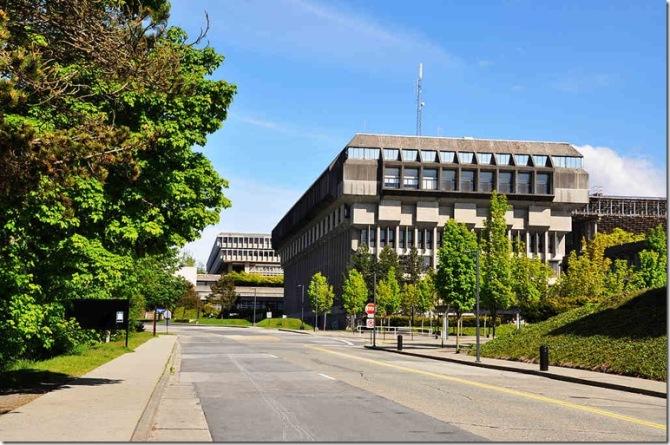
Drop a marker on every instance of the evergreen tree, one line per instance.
(223, 294)
(388, 259)
(412, 266)
(364, 262)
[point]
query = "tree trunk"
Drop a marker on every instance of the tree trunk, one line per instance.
(324, 321)
(458, 323)
(154, 330)
(493, 321)
(411, 325)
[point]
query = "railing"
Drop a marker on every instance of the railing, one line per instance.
(395, 330)
(624, 206)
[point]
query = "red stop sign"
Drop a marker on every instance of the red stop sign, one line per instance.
(370, 308)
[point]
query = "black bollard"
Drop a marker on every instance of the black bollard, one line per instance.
(544, 358)
(399, 342)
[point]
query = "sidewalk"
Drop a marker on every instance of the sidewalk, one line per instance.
(103, 405)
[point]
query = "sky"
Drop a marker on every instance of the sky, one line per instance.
(310, 74)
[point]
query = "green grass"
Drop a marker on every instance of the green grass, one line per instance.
(59, 369)
(624, 335)
(238, 322)
(285, 323)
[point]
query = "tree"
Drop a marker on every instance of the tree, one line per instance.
(364, 262)
(654, 261)
(496, 291)
(189, 300)
(456, 275)
(186, 260)
(321, 295)
(223, 294)
(96, 148)
(388, 295)
(412, 266)
(426, 296)
(354, 295)
(529, 280)
(388, 258)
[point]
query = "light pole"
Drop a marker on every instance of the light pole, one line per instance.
(374, 301)
(302, 307)
(477, 347)
(254, 306)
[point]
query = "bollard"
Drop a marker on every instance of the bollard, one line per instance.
(544, 358)
(399, 342)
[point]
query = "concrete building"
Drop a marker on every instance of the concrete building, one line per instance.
(400, 191)
(243, 252)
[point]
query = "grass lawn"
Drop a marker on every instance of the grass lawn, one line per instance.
(238, 322)
(623, 335)
(47, 373)
(285, 323)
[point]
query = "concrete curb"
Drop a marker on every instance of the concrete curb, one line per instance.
(295, 331)
(547, 374)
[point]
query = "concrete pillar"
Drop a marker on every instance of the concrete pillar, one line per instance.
(397, 239)
(377, 241)
(434, 246)
(546, 246)
(527, 243)
(416, 236)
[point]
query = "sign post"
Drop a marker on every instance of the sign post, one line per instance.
(167, 315)
(371, 309)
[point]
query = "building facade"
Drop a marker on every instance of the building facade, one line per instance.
(243, 252)
(400, 191)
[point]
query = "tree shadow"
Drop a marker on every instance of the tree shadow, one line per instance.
(35, 381)
(643, 316)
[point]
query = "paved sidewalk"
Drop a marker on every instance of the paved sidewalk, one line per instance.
(103, 405)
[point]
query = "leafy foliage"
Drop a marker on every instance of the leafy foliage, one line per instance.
(388, 258)
(364, 262)
(354, 294)
(456, 274)
(412, 266)
(223, 294)
(654, 261)
(388, 294)
(256, 279)
(529, 281)
(320, 293)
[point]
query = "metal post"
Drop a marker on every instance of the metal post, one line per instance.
(127, 322)
(477, 299)
(374, 300)
(254, 306)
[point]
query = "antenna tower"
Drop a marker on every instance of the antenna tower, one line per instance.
(419, 101)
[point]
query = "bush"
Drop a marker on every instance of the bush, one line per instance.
(255, 279)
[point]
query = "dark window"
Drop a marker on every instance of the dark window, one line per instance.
(429, 179)
(552, 243)
(391, 236)
(364, 236)
(485, 181)
(467, 181)
(505, 182)
(347, 211)
(410, 237)
(448, 179)
(543, 187)
(382, 236)
(410, 178)
(402, 237)
(373, 236)
(523, 182)
(421, 239)
(540, 243)
(392, 178)
(429, 238)
(439, 238)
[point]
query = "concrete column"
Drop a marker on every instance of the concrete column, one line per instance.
(377, 241)
(546, 246)
(416, 236)
(397, 239)
(434, 246)
(527, 243)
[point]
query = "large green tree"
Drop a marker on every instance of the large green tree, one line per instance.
(364, 262)
(412, 266)
(321, 295)
(529, 281)
(388, 295)
(654, 260)
(354, 295)
(388, 259)
(496, 262)
(223, 294)
(102, 103)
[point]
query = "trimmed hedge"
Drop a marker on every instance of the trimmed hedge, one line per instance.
(256, 279)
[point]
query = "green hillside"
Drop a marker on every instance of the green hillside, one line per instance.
(625, 335)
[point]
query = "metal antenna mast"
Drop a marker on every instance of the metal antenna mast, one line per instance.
(419, 101)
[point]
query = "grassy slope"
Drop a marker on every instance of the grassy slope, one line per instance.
(239, 322)
(625, 335)
(286, 323)
(56, 370)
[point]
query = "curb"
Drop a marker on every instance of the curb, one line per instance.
(294, 331)
(143, 427)
(646, 392)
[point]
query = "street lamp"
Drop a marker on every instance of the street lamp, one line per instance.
(374, 301)
(302, 306)
(476, 252)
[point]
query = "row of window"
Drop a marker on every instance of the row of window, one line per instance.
(464, 157)
(535, 241)
(258, 254)
(245, 241)
(507, 182)
(318, 230)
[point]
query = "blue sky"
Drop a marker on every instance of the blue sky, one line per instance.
(312, 73)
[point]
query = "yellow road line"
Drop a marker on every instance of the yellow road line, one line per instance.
(513, 392)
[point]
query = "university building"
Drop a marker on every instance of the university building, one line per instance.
(400, 191)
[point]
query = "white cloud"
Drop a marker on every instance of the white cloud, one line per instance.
(256, 207)
(623, 175)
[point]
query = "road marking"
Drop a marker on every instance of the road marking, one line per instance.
(327, 376)
(344, 341)
(513, 392)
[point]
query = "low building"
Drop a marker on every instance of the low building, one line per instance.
(400, 191)
(243, 252)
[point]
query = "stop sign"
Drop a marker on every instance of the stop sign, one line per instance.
(370, 308)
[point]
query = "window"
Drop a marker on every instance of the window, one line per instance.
(391, 236)
(428, 156)
(410, 155)
(410, 178)
(429, 179)
(521, 159)
(542, 184)
(410, 237)
(401, 239)
(421, 238)
(567, 161)
(502, 158)
(448, 180)
(391, 154)
(523, 182)
(382, 236)
(466, 157)
(440, 233)
(447, 157)
(552, 243)
(392, 178)
(373, 236)
(467, 181)
(363, 153)
(485, 158)
(540, 243)
(485, 181)
(505, 182)
(540, 160)
(364, 237)
(429, 238)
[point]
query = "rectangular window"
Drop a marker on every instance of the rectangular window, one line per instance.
(391, 154)
(401, 240)
(465, 157)
(542, 184)
(440, 233)
(410, 178)
(373, 236)
(552, 243)
(447, 157)
(382, 236)
(523, 182)
(428, 156)
(521, 160)
(567, 161)
(364, 236)
(429, 238)
(485, 181)
(540, 243)
(392, 178)
(505, 182)
(410, 155)
(421, 238)
(410, 237)
(540, 160)
(448, 179)
(502, 158)
(391, 236)
(429, 179)
(467, 181)
(484, 158)
(363, 153)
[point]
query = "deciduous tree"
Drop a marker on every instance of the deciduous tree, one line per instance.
(354, 295)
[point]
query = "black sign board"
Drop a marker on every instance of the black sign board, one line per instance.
(98, 313)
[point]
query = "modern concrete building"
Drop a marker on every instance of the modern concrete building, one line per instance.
(400, 191)
(243, 252)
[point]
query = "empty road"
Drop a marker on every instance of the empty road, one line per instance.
(265, 385)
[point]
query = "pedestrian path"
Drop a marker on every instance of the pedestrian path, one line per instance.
(103, 405)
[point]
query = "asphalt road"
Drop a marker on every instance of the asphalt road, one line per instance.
(265, 385)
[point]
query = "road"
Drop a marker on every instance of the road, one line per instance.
(265, 385)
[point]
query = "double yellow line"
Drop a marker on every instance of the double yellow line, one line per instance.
(500, 389)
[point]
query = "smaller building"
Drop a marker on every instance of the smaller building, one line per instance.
(243, 252)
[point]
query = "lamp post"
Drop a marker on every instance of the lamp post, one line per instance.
(302, 306)
(477, 347)
(374, 301)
